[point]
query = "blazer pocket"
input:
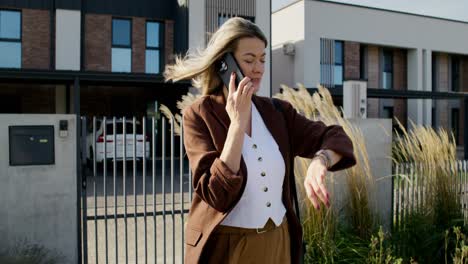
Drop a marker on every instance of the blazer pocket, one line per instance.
(192, 236)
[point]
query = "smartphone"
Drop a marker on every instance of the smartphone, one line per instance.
(225, 66)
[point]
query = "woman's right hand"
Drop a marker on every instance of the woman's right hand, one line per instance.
(238, 103)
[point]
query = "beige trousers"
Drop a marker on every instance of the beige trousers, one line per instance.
(232, 245)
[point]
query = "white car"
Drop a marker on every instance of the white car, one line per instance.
(119, 141)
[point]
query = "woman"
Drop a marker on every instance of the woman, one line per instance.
(241, 150)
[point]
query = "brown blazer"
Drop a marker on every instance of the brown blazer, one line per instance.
(218, 189)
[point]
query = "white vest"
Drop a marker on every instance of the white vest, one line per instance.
(261, 198)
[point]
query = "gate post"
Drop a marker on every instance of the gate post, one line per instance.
(465, 129)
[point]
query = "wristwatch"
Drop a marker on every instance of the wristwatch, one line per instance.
(322, 154)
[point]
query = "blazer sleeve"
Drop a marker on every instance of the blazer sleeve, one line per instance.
(213, 180)
(307, 137)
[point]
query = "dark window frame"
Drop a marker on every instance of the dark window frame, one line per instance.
(20, 39)
(122, 46)
(112, 33)
(390, 53)
(338, 64)
(454, 75)
(363, 61)
(14, 40)
(161, 47)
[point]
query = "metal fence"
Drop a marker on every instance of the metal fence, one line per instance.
(412, 189)
(137, 191)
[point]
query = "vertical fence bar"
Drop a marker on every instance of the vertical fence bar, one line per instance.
(144, 188)
(400, 193)
(114, 168)
(172, 189)
(135, 189)
(124, 176)
(153, 140)
(84, 187)
(181, 170)
(163, 169)
(420, 187)
(96, 252)
(395, 198)
(460, 184)
(105, 183)
(414, 181)
(464, 191)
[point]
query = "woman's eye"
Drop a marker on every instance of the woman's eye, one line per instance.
(249, 62)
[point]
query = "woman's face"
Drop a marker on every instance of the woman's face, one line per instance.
(250, 55)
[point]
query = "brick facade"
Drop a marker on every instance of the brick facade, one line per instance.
(373, 79)
(442, 83)
(400, 82)
(138, 44)
(351, 60)
(169, 42)
(35, 47)
(98, 41)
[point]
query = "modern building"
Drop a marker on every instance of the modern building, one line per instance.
(322, 42)
(115, 51)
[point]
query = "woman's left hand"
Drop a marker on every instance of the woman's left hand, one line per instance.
(314, 183)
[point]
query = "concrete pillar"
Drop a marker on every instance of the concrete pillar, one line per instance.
(427, 75)
(60, 99)
(263, 20)
(415, 77)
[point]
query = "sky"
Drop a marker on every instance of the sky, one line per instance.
(450, 9)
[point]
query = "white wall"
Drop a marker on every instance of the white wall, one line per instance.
(67, 40)
(288, 26)
(196, 24)
(262, 19)
(379, 27)
(39, 203)
(364, 25)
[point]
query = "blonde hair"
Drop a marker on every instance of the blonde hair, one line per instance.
(200, 65)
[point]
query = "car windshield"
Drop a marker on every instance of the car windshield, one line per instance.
(119, 128)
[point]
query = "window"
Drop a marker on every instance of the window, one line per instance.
(331, 62)
(338, 67)
(387, 70)
(387, 112)
(121, 45)
(154, 41)
(10, 39)
(455, 74)
(224, 17)
(363, 62)
(455, 123)
(434, 72)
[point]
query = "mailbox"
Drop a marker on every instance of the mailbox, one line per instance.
(31, 145)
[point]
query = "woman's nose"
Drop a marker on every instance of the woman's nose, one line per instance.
(259, 67)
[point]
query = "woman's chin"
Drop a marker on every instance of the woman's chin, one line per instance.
(256, 89)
